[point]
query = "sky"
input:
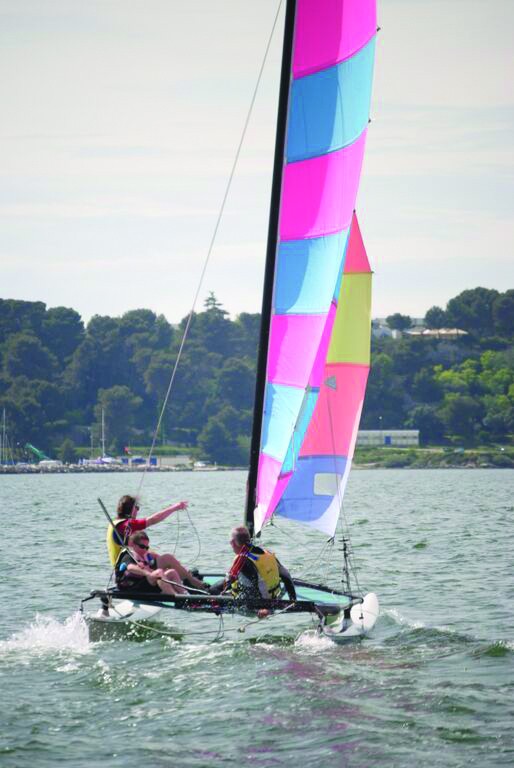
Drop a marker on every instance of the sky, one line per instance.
(120, 123)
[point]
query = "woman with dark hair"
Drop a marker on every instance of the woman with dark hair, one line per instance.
(127, 523)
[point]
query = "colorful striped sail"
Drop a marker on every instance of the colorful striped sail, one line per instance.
(318, 351)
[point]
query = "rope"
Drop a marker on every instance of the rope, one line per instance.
(263, 618)
(221, 625)
(209, 251)
(148, 627)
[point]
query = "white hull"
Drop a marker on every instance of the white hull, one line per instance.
(207, 627)
(125, 610)
(362, 620)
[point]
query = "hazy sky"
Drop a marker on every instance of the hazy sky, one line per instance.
(120, 121)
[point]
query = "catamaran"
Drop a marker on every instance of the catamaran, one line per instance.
(314, 351)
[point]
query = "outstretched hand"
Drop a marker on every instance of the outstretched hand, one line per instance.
(182, 505)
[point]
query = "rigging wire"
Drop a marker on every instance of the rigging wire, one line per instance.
(313, 565)
(209, 250)
(198, 539)
(342, 514)
(350, 556)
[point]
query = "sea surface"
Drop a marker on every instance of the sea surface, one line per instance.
(432, 686)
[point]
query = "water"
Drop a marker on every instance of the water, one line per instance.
(433, 686)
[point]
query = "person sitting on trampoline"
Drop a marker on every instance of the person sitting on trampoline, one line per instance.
(140, 570)
(127, 523)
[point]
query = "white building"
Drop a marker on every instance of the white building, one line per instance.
(450, 334)
(399, 438)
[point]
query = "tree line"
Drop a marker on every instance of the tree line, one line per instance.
(58, 376)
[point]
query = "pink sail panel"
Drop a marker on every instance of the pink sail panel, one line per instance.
(270, 487)
(330, 31)
(294, 340)
(318, 368)
(338, 410)
(321, 301)
(318, 195)
(356, 257)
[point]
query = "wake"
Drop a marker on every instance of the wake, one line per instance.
(48, 635)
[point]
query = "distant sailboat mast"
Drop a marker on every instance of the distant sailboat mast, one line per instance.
(267, 297)
(103, 433)
(3, 449)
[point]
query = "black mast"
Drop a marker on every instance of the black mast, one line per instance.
(267, 296)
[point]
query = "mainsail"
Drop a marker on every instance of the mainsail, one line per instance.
(317, 352)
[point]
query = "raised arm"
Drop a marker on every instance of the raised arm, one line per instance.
(164, 513)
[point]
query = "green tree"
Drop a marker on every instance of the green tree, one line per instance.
(158, 374)
(430, 425)
(25, 355)
(236, 384)
(398, 321)
(213, 330)
(472, 310)
(461, 416)
(62, 330)
(26, 417)
(499, 415)
(20, 316)
(435, 318)
(100, 362)
(248, 331)
(67, 452)
(219, 441)
(384, 401)
(193, 388)
(120, 408)
(503, 314)
(425, 386)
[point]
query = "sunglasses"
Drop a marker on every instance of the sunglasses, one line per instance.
(143, 546)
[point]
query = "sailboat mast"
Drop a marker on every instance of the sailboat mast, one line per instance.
(269, 272)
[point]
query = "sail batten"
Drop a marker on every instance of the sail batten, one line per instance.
(318, 348)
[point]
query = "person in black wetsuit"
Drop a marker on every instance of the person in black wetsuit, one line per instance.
(255, 572)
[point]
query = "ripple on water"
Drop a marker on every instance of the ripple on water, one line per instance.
(432, 686)
(497, 650)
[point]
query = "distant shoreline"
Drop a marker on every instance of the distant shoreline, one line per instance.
(407, 460)
(435, 458)
(76, 470)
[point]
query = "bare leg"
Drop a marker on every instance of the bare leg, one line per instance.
(171, 589)
(170, 561)
(172, 575)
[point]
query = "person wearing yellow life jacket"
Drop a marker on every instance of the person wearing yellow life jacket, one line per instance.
(127, 523)
(255, 572)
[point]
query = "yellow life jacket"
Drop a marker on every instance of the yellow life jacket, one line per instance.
(111, 539)
(267, 568)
